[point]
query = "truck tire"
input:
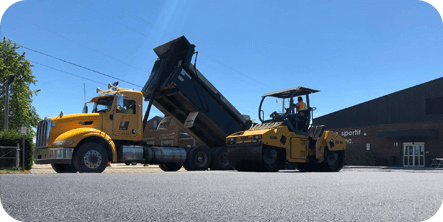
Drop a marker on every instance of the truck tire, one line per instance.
(90, 158)
(63, 168)
(219, 159)
(198, 158)
(169, 167)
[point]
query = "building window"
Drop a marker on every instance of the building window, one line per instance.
(368, 146)
(434, 106)
(155, 124)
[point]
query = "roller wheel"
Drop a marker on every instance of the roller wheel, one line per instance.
(170, 167)
(198, 158)
(90, 158)
(219, 159)
(303, 167)
(247, 167)
(334, 161)
(273, 160)
(63, 168)
(310, 167)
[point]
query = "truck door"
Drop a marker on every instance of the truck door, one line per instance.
(125, 121)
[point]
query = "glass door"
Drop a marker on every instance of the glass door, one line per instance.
(414, 154)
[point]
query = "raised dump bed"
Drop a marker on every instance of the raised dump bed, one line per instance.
(179, 90)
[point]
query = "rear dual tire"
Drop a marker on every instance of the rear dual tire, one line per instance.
(198, 158)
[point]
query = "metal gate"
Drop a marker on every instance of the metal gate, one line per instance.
(9, 153)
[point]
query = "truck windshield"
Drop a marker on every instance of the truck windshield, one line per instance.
(103, 104)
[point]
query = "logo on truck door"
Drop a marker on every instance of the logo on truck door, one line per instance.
(124, 123)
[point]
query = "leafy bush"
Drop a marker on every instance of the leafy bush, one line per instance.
(11, 138)
(362, 159)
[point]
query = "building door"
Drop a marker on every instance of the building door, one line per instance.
(414, 154)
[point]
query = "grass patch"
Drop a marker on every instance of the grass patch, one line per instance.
(14, 171)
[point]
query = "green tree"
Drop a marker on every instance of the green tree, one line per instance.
(21, 110)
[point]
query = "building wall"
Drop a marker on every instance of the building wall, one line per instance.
(388, 151)
(421, 103)
(419, 107)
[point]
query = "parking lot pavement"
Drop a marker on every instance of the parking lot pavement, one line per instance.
(223, 196)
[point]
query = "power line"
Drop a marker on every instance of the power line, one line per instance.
(115, 20)
(110, 3)
(83, 45)
(66, 72)
(159, 29)
(153, 27)
(248, 77)
(79, 66)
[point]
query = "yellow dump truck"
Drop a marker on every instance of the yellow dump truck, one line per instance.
(113, 130)
(287, 140)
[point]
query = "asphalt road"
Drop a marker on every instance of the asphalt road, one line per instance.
(361, 195)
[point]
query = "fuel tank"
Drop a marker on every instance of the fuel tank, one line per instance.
(154, 154)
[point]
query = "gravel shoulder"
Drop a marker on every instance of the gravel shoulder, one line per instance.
(119, 168)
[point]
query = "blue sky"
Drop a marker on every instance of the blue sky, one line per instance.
(352, 51)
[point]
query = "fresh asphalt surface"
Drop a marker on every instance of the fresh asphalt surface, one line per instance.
(350, 195)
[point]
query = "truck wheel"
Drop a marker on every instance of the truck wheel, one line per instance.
(198, 158)
(169, 167)
(219, 159)
(90, 158)
(63, 168)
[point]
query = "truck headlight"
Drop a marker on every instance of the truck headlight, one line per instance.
(62, 143)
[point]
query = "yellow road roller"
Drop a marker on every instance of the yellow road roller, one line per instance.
(287, 140)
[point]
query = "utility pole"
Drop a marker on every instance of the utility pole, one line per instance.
(6, 82)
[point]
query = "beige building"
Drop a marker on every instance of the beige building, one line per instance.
(168, 134)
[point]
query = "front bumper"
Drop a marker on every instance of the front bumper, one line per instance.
(62, 155)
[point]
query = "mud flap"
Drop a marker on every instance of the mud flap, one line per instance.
(191, 119)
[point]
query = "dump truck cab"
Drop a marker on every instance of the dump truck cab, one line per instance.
(109, 124)
(286, 140)
(121, 110)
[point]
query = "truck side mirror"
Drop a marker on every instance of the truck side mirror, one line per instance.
(119, 105)
(85, 109)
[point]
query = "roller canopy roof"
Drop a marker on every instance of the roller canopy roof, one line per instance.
(286, 93)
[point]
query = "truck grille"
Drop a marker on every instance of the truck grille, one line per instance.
(43, 130)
